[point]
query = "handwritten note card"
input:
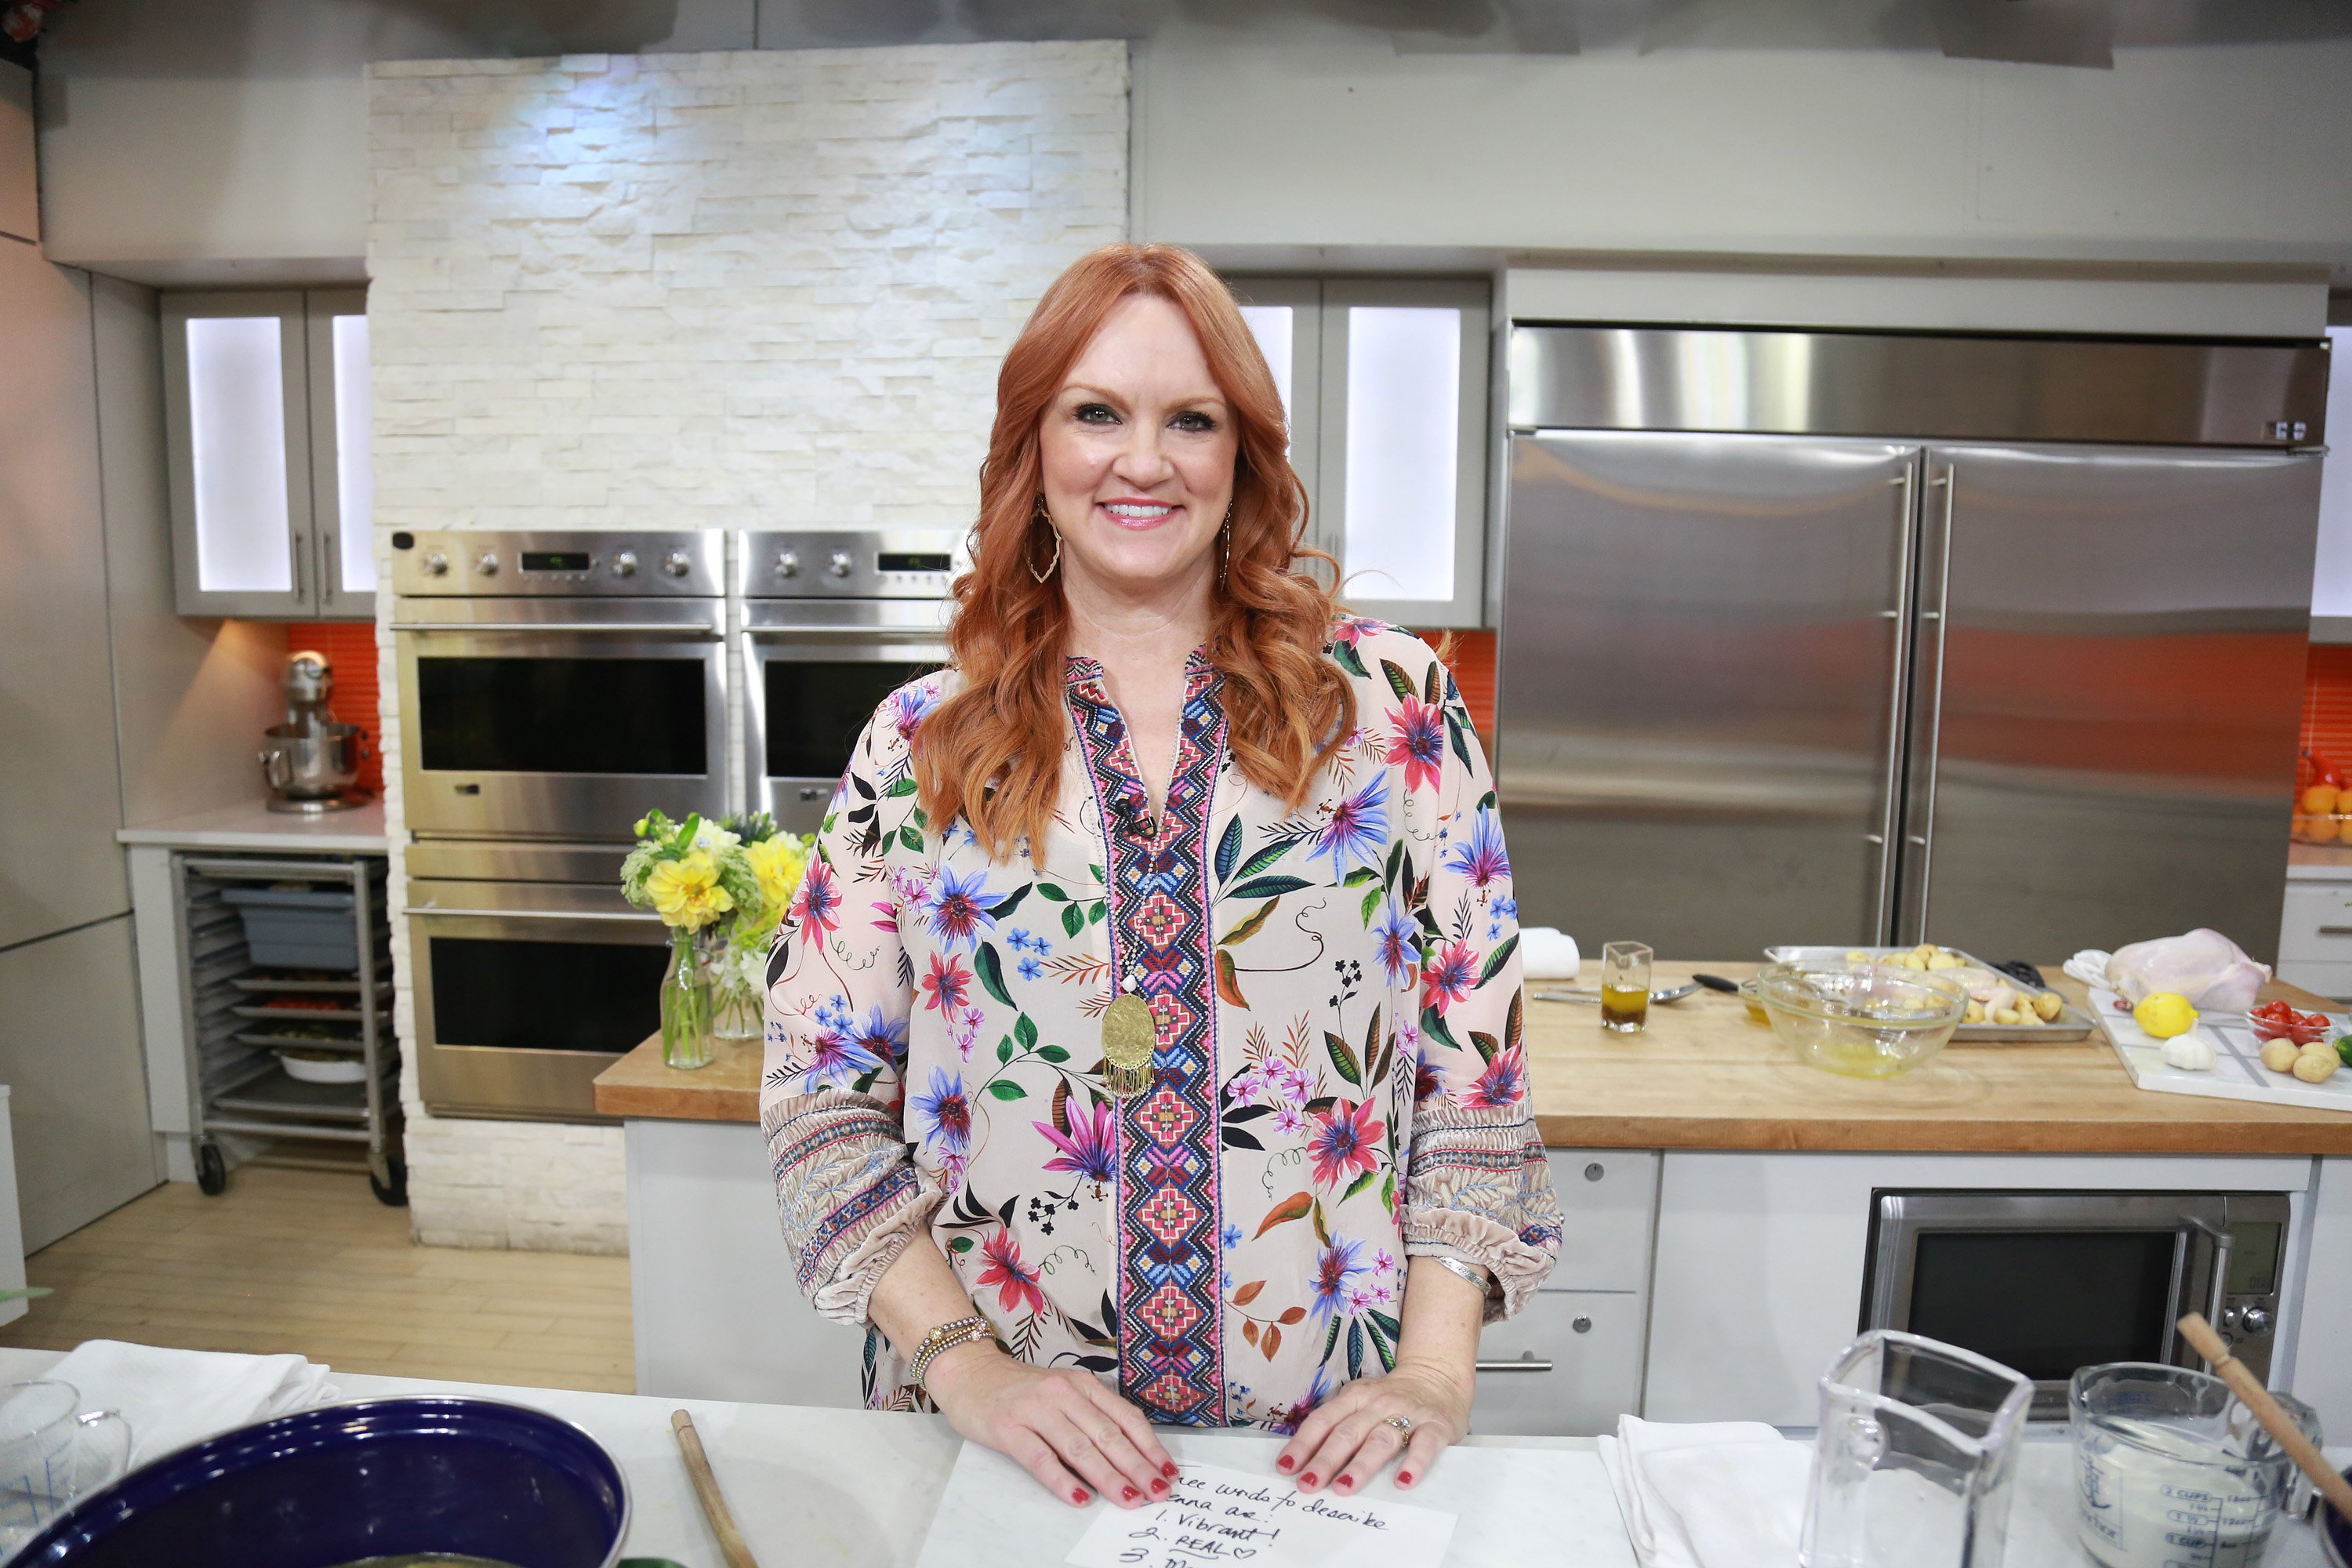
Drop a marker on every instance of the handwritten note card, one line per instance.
(1224, 1516)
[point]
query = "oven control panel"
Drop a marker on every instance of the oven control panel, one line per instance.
(851, 562)
(570, 563)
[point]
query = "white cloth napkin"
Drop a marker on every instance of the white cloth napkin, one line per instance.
(1547, 952)
(1728, 1494)
(173, 1399)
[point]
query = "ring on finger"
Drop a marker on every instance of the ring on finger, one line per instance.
(1404, 1424)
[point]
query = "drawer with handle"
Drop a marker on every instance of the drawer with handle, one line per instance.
(2316, 923)
(1608, 1198)
(1569, 1365)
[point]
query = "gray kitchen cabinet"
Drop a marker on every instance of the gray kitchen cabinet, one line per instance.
(1568, 1365)
(60, 800)
(70, 1055)
(1608, 1203)
(266, 407)
(2315, 933)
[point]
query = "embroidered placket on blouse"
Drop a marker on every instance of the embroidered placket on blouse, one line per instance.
(1172, 1295)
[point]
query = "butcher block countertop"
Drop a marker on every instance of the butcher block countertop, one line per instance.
(1703, 1076)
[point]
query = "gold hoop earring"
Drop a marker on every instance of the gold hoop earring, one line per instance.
(1057, 560)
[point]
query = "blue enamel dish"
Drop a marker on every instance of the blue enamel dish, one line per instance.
(379, 1478)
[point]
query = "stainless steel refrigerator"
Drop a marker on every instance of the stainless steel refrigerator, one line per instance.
(1854, 637)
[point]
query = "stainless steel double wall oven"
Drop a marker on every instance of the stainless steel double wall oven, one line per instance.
(833, 622)
(552, 687)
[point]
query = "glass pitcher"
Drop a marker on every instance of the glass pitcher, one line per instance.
(1916, 1456)
(50, 1456)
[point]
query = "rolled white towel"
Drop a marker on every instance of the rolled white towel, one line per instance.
(1547, 952)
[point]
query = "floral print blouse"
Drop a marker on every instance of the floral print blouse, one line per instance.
(1337, 1084)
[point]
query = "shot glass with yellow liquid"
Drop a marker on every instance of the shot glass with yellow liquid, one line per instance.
(1625, 987)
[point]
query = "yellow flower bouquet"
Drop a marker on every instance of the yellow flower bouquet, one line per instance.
(722, 887)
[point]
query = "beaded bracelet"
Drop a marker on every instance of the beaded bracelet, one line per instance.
(948, 1336)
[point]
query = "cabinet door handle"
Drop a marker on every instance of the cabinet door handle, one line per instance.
(1523, 1364)
(302, 570)
(2336, 931)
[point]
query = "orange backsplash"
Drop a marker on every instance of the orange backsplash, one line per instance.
(349, 650)
(2327, 703)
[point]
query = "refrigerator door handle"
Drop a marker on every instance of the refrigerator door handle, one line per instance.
(1891, 785)
(1932, 701)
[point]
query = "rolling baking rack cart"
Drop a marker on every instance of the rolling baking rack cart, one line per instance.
(290, 991)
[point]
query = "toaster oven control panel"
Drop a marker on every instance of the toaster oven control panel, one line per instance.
(852, 563)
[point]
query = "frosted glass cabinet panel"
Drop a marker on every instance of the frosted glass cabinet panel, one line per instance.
(342, 479)
(1386, 384)
(1286, 316)
(255, 388)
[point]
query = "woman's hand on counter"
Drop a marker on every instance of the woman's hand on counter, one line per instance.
(1350, 1437)
(1061, 1425)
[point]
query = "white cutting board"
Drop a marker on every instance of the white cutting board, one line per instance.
(2237, 1072)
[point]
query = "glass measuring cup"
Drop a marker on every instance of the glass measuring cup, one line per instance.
(50, 1456)
(2170, 1470)
(1915, 1458)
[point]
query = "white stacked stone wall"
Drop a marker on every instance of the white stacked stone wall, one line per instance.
(744, 289)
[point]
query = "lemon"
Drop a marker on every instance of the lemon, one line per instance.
(2164, 1014)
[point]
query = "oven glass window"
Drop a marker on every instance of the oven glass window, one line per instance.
(564, 715)
(2043, 1301)
(815, 711)
(546, 996)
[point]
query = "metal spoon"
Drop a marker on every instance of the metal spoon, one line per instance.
(1671, 994)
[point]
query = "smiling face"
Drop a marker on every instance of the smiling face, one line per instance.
(1138, 452)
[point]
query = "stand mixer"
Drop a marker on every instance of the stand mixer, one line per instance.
(310, 760)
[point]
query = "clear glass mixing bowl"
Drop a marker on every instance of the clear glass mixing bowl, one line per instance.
(1863, 1019)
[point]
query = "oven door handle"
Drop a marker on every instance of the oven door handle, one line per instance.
(696, 631)
(2217, 1290)
(529, 914)
(850, 634)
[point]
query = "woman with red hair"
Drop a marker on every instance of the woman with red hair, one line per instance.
(1144, 1045)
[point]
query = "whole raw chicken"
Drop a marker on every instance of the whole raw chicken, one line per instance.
(2205, 966)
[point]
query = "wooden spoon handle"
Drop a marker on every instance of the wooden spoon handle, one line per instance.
(2249, 1388)
(714, 1501)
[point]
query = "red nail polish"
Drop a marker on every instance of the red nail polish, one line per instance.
(1169, 1469)
(1079, 1498)
(1307, 1479)
(1404, 1478)
(1159, 1486)
(1127, 1494)
(1343, 1483)
(1287, 1463)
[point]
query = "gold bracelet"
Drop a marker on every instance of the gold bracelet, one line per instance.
(970, 1331)
(952, 1326)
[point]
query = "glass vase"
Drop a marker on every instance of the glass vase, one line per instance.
(737, 1006)
(686, 1007)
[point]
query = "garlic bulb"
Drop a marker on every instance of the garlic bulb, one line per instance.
(2190, 1052)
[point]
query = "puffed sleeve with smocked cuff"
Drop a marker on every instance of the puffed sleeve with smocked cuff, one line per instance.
(840, 993)
(1476, 1185)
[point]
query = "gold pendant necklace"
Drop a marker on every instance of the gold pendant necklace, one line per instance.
(1128, 1038)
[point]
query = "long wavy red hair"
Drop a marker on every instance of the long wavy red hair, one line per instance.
(1287, 708)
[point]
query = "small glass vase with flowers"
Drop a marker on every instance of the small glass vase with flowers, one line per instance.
(722, 887)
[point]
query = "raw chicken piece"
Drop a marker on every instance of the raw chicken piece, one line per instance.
(2212, 972)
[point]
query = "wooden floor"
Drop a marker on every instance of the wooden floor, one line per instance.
(308, 1261)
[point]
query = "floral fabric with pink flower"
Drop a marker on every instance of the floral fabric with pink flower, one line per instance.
(1339, 1084)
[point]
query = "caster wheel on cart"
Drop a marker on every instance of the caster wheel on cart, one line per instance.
(395, 1193)
(212, 1170)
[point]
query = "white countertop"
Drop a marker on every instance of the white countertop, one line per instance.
(251, 825)
(858, 1487)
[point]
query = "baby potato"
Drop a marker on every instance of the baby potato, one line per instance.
(1855, 955)
(2047, 1005)
(2279, 1055)
(2007, 1016)
(1913, 960)
(2316, 1063)
(1946, 960)
(1975, 1014)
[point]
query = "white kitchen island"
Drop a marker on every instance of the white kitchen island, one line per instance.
(859, 1487)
